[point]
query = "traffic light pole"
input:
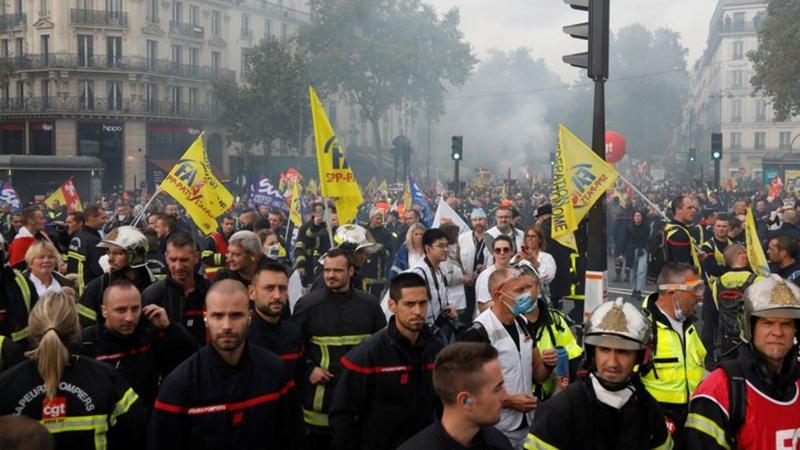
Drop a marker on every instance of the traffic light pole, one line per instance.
(596, 251)
(716, 174)
(457, 186)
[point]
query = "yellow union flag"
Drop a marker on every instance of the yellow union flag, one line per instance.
(294, 208)
(580, 178)
(335, 176)
(192, 184)
(755, 253)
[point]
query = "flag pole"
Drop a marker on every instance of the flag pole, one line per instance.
(146, 205)
(328, 222)
(644, 197)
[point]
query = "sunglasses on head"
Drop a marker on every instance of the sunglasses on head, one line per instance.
(502, 249)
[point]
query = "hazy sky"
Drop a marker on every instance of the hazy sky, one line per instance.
(536, 24)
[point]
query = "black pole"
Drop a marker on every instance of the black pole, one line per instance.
(716, 174)
(457, 186)
(596, 248)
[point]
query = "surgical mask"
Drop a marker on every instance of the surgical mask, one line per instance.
(679, 315)
(523, 304)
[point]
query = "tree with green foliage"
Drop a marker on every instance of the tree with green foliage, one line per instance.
(270, 103)
(776, 62)
(381, 54)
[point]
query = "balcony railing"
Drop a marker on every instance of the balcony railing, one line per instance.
(186, 29)
(273, 8)
(125, 64)
(102, 105)
(98, 17)
(12, 21)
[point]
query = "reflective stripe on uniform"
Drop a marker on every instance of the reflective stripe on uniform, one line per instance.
(709, 427)
(325, 360)
(669, 444)
(316, 418)
(81, 423)
(25, 290)
(87, 312)
(81, 260)
(534, 443)
(19, 335)
(123, 405)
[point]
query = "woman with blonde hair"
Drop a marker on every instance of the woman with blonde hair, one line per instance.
(411, 253)
(84, 403)
(43, 259)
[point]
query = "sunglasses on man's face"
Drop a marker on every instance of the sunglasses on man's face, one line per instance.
(502, 250)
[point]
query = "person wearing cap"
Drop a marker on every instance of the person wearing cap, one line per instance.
(471, 246)
(376, 267)
(753, 402)
(127, 250)
(609, 408)
(678, 351)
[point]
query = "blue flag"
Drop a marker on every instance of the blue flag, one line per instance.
(9, 196)
(265, 194)
(418, 199)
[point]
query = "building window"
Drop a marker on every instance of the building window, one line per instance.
(736, 111)
(20, 92)
(194, 96)
(114, 51)
(152, 54)
(738, 49)
(85, 50)
(246, 25)
(738, 22)
(216, 62)
(44, 7)
(194, 15)
(45, 39)
(736, 78)
(6, 88)
(152, 10)
(243, 68)
(194, 60)
(784, 139)
(736, 140)
(85, 4)
(176, 99)
(114, 96)
(5, 49)
(114, 7)
(284, 33)
(177, 52)
(760, 138)
(87, 94)
(46, 93)
(177, 12)
(761, 110)
(20, 47)
(152, 97)
(216, 23)
(267, 29)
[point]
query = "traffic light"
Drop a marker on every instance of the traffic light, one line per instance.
(716, 146)
(595, 59)
(692, 155)
(552, 158)
(457, 147)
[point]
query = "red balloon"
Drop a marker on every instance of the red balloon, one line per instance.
(615, 146)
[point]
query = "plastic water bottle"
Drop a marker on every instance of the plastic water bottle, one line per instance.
(562, 369)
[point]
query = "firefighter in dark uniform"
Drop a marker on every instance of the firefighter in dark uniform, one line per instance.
(270, 328)
(229, 395)
(307, 247)
(358, 242)
(680, 245)
(143, 351)
(333, 321)
(84, 403)
(385, 394)
(714, 249)
(376, 268)
(127, 249)
(10, 353)
(215, 248)
(83, 257)
(610, 408)
(17, 298)
(752, 402)
(183, 292)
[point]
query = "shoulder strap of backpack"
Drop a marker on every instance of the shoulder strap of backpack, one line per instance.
(737, 397)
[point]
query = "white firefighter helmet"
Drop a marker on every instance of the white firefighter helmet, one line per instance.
(353, 238)
(618, 324)
(769, 297)
(131, 240)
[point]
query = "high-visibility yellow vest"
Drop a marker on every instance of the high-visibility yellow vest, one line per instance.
(25, 291)
(677, 366)
(559, 331)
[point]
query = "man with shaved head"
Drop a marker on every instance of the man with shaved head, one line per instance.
(229, 394)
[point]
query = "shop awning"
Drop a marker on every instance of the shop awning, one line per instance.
(50, 162)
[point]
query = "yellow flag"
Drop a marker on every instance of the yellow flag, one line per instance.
(580, 178)
(192, 184)
(383, 187)
(372, 185)
(755, 253)
(65, 195)
(407, 199)
(312, 187)
(294, 209)
(504, 192)
(336, 178)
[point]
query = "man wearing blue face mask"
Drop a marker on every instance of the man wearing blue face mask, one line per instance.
(504, 326)
(676, 367)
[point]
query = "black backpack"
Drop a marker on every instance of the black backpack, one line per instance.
(656, 250)
(737, 398)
